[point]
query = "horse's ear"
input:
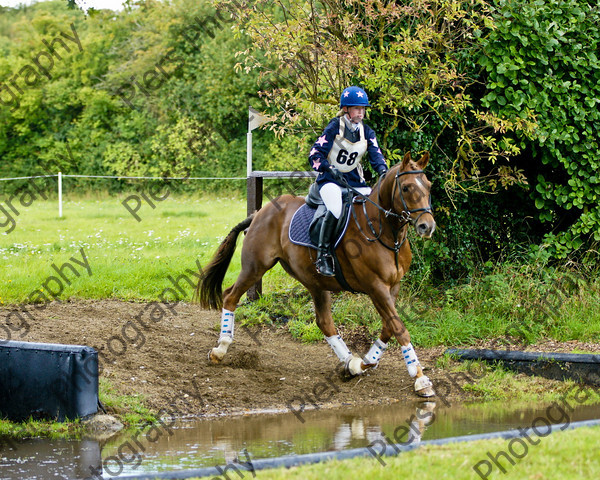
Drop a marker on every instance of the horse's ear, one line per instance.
(406, 160)
(423, 161)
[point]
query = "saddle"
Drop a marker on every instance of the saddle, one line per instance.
(314, 200)
(306, 222)
(306, 225)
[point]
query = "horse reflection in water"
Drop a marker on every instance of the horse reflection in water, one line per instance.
(357, 429)
(374, 255)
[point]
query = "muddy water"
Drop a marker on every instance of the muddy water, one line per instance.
(196, 444)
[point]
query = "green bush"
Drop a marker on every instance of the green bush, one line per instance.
(541, 59)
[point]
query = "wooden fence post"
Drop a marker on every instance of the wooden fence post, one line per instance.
(254, 189)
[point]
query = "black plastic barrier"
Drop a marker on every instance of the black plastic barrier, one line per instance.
(43, 380)
(580, 367)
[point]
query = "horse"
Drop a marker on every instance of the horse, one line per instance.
(374, 255)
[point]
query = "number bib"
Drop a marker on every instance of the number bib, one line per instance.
(346, 155)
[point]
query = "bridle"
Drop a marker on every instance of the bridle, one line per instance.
(406, 213)
(404, 217)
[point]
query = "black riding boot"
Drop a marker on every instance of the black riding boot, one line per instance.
(324, 261)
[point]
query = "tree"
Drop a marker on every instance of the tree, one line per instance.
(415, 58)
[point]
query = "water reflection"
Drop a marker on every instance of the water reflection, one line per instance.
(42, 458)
(204, 443)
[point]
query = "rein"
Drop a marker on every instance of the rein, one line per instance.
(404, 217)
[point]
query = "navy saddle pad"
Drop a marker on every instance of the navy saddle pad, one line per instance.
(299, 227)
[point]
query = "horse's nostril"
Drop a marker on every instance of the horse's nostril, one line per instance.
(425, 229)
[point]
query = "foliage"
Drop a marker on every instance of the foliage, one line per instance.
(152, 91)
(417, 61)
(504, 95)
(415, 57)
(542, 59)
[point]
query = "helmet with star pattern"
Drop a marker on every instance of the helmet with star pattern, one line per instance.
(354, 97)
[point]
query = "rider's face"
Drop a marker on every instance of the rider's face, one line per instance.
(356, 114)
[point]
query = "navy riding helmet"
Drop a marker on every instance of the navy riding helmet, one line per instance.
(354, 97)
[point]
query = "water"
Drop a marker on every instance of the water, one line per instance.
(204, 443)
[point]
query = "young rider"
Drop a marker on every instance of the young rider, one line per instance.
(337, 155)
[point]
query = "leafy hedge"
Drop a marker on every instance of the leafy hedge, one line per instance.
(542, 59)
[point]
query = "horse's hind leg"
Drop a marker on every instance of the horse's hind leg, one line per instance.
(253, 268)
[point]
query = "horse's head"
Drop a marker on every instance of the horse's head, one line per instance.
(411, 194)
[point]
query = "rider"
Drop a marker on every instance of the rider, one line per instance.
(336, 155)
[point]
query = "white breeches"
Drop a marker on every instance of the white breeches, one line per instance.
(331, 193)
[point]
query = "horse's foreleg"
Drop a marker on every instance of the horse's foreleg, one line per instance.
(322, 300)
(393, 326)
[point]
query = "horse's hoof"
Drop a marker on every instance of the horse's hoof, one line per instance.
(354, 366)
(424, 387)
(212, 358)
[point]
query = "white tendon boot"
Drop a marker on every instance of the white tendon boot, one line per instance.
(225, 338)
(351, 362)
(374, 354)
(423, 386)
(410, 358)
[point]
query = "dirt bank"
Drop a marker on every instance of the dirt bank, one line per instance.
(160, 353)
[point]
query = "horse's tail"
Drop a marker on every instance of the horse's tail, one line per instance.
(209, 289)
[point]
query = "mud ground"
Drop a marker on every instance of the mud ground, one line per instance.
(160, 353)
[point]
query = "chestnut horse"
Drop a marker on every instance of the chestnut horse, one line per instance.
(374, 255)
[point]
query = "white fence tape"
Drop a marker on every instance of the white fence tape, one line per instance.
(61, 176)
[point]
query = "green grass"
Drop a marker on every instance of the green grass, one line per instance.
(130, 409)
(129, 260)
(492, 382)
(41, 428)
(566, 455)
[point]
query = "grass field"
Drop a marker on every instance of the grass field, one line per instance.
(563, 455)
(115, 256)
(129, 260)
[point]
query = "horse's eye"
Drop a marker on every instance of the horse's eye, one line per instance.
(405, 188)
